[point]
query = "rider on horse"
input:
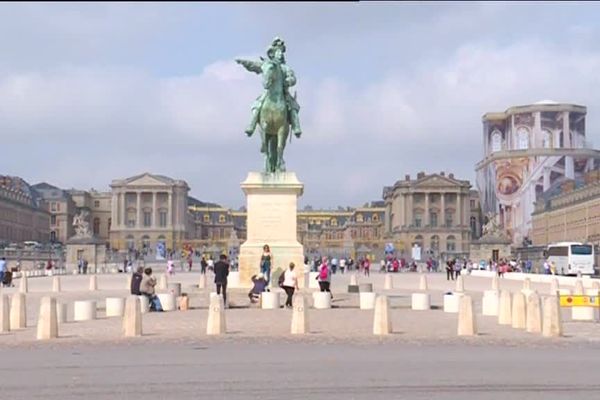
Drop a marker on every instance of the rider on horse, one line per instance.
(275, 52)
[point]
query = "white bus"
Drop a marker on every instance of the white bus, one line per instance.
(571, 258)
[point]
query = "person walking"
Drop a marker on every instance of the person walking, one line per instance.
(324, 278)
(449, 270)
(221, 273)
(3, 269)
(289, 284)
(203, 265)
(367, 266)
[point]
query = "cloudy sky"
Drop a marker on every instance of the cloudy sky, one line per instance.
(94, 92)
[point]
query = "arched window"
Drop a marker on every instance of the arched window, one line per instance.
(418, 219)
(334, 222)
(145, 241)
(206, 218)
(546, 139)
(522, 138)
(221, 218)
(419, 240)
(375, 218)
(96, 226)
(130, 242)
(496, 141)
(359, 218)
(451, 243)
(435, 243)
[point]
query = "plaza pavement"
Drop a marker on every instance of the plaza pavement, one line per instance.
(345, 323)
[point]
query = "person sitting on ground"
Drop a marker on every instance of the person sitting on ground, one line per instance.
(136, 280)
(260, 284)
(147, 289)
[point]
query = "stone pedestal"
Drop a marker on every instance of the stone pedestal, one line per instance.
(91, 249)
(271, 202)
(452, 302)
(420, 301)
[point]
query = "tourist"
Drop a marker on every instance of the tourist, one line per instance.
(449, 270)
(334, 263)
(211, 263)
(170, 267)
(190, 263)
(382, 266)
(367, 266)
(85, 266)
(80, 266)
(342, 265)
(221, 272)
(147, 285)
(266, 260)
(324, 277)
(289, 284)
(457, 267)
(3, 268)
(547, 268)
(203, 265)
(136, 281)
(260, 285)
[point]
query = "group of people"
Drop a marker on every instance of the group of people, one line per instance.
(142, 284)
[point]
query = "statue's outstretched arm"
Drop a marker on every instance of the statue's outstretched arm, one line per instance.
(252, 66)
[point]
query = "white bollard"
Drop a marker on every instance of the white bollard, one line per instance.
(367, 300)
(467, 325)
(18, 312)
(578, 290)
(202, 281)
(115, 306)
(420, 301)
(534, 314)
(84, 310)
(313, 282)
(388, 283)
(452, 302)
(23, 286)
(132, 317)
(129, 279)
(93, 283)
(321, 300)
(61, 312)
(505, 308)
(4, 314)
(382, 323)
(489, 303)
(353, 280)
(162, 282)
(552, 323)
(167, 301)
(527, 284)
(519, 311)
(269, 300)
(47, 325)
(423, 283)
(564, 292)
(554, 287)
(460, 284)
(495, 283)
(56, 284)
(299, 316)
(216, 316)
(144, 304)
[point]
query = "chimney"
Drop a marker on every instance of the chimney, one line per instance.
(442, 173)
(451, 175)
(421, 175)
(407, 177)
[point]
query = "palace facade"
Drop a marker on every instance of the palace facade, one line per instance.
(23, 212)
(527, 150)
(438, 213)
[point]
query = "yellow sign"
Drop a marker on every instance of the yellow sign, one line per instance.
(579, 301)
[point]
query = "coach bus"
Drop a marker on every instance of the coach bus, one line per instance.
(570, 258)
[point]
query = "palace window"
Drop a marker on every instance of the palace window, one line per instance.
(147, 218)
(418, 220)
(96, 226)
(450, 243)
(109, 223)
(53, 220)
(523, 138)
(334, 222)
(433, 219)
(162, 218)
(546, 139)
(359, 218)
(221, 219)
(496, 141)
(375, 218)
(206, 218)
(96, 203)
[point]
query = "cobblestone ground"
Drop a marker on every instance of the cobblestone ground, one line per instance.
(343, 323)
